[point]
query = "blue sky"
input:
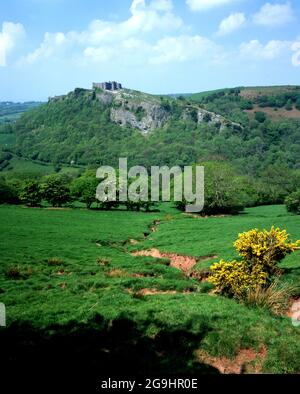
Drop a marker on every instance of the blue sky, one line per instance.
(49, 47)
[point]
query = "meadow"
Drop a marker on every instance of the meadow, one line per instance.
(68, 277)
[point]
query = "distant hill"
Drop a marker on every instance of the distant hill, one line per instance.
(278, 102)
(92, 127)
(10, 111)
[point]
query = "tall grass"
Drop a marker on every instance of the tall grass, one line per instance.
(276, 297)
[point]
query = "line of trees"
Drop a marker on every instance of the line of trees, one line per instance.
(226, 191)
(60, 189)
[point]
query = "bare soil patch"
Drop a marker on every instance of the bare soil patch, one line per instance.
(184, 263)
(149, 292)
(280, 113)
(246, 361)
(181, 262)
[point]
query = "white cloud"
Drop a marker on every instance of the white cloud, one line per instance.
(231, 23)
(151, 35)
(11, 34)
(102, 38)
(202, 5)
(162, 5)
(296, 56)
(49, 47)
(182, 48)
(274, 14)
(271, 50)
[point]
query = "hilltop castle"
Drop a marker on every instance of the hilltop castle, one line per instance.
(112, 85)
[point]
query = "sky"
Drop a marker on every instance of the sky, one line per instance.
(50, 47)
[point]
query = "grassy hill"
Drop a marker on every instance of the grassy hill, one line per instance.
(92, 127)
(278, 102)
(79, 292)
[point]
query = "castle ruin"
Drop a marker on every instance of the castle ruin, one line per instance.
(111, 85)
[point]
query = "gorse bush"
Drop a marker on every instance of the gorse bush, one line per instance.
(260, 251)
(234, 278)
(265, 248)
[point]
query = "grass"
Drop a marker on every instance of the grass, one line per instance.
(216, 235)
(21, 166)
(66, 269)
(7, 140)
(275, 297)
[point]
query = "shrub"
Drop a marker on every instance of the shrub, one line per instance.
(289, 105)
(265, 247)
(260, 252)
(292, 202)
(8, 193)
(13, 272)
(260, 116)
(207, 117)
(236, 277)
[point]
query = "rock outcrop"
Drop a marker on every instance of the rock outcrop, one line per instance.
(147, 113)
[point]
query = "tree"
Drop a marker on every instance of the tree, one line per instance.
(260, 116)
(225, 191)
(84, 189)
(292, 202)
(8, 193)
(289, 105)
(56, 191)
(31, 193)
(275, 183)
(207, 117)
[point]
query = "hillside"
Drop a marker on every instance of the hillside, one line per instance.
(278, 102)
(10, 111)
(92, 127)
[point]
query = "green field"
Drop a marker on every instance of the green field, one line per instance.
(23, 167)
(74, 270)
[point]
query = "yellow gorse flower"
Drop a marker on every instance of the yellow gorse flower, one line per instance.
(261, 251)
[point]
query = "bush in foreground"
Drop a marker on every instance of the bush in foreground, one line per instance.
(261, 251)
